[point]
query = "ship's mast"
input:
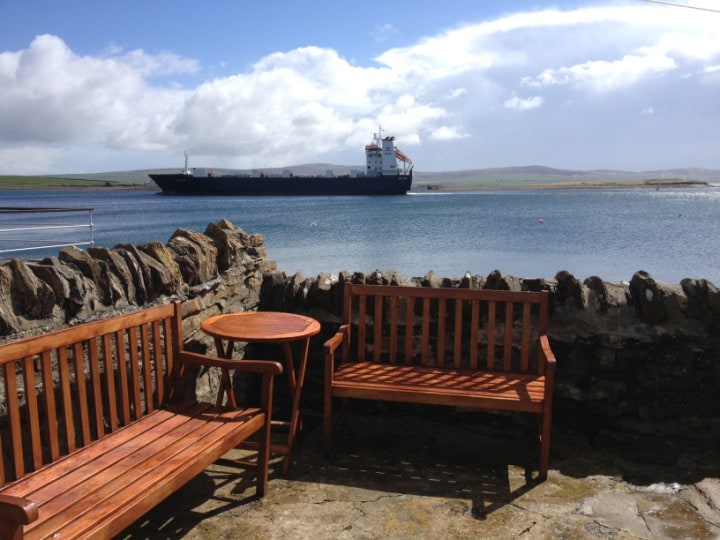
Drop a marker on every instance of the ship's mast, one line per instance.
(378, 135)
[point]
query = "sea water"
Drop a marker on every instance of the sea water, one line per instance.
(672, 233)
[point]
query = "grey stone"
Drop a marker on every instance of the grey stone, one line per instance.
(496, 281)
(74, 292)
(118, 265)
(92, 269)
(273, 293)
(165, 274)
(320, 295)
(9, 322)
(225, 243)
(599, 299)
(30, 297)
(196, 256)
(256, 240)
(140, 275)
(648, 298)
(568, 289)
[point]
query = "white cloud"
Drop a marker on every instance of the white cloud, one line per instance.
(383, 32)
(161, 64)
(294, 105)
(602, 75)
(456, 93)
(30, 159)
(51, 95)
(311, 104)
(447, 133)
(518, 104)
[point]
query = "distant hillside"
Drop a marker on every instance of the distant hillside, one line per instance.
(494, 177)
(539, 175)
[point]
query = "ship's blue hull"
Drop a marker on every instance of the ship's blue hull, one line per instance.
(184, 184)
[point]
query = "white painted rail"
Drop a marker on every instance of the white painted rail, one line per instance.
(34, 229)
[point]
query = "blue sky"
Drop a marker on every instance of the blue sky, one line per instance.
(94, 87)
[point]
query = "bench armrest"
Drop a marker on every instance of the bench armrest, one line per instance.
(548, 354)
(16, 511)
(332, 345)
(264, 367)
(334, 342)
(550, 363)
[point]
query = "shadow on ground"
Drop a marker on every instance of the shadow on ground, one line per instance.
(399, 471)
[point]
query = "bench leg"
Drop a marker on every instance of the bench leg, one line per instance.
(263, 459)
(327, 423)
(263, 462)
(545, 425)
(328, 420)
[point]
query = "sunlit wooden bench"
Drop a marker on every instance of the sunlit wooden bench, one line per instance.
(484, 349)
(95, 430)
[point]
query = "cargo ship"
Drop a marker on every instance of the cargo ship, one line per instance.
(388, 171)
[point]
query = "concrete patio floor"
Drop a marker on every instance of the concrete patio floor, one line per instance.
(414, 472)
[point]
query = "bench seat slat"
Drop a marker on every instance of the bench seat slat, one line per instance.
(107, 487)
(457, 387)
(67, 464)
(135, 455)
(184, 466)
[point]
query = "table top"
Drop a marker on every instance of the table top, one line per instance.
(257, 326)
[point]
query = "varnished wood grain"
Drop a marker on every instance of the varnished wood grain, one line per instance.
(94, 439)
(514, 373)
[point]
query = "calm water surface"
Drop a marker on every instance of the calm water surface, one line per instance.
(612, 233)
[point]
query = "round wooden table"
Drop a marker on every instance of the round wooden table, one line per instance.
(266, 327)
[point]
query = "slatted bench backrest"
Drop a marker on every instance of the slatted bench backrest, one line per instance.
(446, 327)
(65, 389)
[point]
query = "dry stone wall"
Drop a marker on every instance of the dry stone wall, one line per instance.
(641, 355)
(215, 272)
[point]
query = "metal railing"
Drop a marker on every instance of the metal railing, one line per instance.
(35, 229)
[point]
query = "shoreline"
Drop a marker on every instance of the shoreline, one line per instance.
(122, 187)
(612, 184)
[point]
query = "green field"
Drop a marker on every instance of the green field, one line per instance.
(46, 182)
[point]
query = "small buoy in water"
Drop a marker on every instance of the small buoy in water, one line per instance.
(541, 220)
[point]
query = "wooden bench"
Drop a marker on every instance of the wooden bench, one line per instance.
(484, 349)
(95, 430)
